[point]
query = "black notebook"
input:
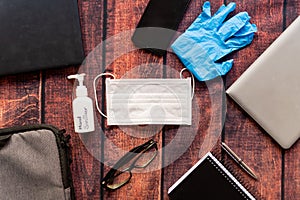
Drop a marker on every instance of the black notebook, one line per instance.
(208, 179)
(39, 34)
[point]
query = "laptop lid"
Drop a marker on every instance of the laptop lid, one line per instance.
(269, 90)
(39, 34)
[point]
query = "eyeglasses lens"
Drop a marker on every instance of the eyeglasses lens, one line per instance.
(119, 179)
(146, 158)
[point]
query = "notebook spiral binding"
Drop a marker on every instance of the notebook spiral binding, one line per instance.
(217, 152)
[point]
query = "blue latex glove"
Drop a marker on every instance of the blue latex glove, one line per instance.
(208, 39)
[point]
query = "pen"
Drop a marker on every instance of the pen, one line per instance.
(238, 160)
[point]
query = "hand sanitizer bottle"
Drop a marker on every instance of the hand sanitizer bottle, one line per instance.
(83, 112)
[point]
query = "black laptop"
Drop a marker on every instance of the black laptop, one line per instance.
(39, 34)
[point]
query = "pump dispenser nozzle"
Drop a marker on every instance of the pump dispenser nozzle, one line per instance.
(81, 89)
(79, 77)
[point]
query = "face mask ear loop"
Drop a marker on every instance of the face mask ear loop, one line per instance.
(95, 90)
(193, 81)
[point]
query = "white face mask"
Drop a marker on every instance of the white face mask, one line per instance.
(147, 101)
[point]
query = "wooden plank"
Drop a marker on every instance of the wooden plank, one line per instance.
(245, 137)
(58, 106)
(122, 18)
(58, 112)
(206, 128)
(20, 99)
(292, 156)
(292, 173)
(91, 20)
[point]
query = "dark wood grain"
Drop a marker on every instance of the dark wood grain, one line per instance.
(20, 99)
(91, 21)
(241, 132)
(291, 173)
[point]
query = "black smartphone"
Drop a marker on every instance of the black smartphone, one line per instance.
(158, 25)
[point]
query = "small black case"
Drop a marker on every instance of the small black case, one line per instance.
(158, 25)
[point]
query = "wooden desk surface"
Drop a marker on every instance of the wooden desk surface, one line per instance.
(45, 97)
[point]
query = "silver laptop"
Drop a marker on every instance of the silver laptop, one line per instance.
(269, 90)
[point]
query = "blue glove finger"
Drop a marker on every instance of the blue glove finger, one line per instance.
(246, 30)
(204, 16)
(233, 25)
(218, 18)
(206, 9)
(242, 38)
(220, 9)
(234, 44)
(239, 42)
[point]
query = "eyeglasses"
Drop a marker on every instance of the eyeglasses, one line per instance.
(138, 157)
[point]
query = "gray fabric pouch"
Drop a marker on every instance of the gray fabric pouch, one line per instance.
(35, 163)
